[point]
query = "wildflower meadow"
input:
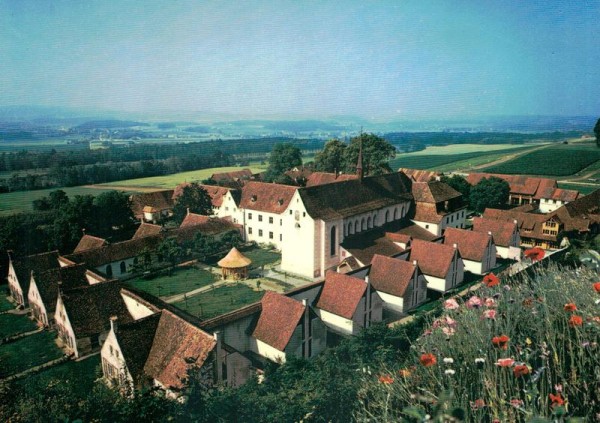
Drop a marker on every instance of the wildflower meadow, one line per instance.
(516, 350)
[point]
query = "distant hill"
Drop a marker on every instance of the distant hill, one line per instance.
(108, 124)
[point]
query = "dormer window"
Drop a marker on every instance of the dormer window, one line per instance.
(280, 202)
(253, 198)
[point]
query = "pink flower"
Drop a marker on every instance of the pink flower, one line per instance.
(489, 314)
(505, 362)
(517, 403)
(490, 303)
(449, 331)
(474, 302)
(451, 304)
(449, 321)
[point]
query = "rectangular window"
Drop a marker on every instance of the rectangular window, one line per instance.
(290, 212)
(280, 222)
(249, 231)
(260, 232)
(260, 217)
(280, 237)
(270, 220)
(270, 235)
(303, 214)
(249, 216)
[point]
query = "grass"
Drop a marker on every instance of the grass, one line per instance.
(170, 181)
(21, 201)
(548, 352)
(13, 324)
(466, 148)
(183, 279)
(559, 160)
(261, 257)
(83, 372)
(583, 189)
(220, 300)
(28, 352)
(4, 303)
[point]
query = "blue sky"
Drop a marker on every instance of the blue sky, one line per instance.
(380, 59)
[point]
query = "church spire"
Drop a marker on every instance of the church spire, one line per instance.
(359, 164)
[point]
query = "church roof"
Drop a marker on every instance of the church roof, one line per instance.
(321, 178)
(234, 259)
(278, 319)
(177, 346)
(341, 294)
(352, 197)
(391, 275)
(89, 242)
(471, 244)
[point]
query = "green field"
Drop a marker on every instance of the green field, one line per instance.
(20, 201)
(219, 300)
(4, 303)
(13, 324)
(434, 158)
(261, 257)
(583, 189)
(28, 352)
(171, 181)
(182, 280)
(557, 160)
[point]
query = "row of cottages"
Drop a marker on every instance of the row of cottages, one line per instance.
(579, 218)
(541, 192)
(20, 270)
(506, 236)
(437, 206)
(477, 249)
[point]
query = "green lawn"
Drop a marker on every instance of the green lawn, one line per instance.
(4, 303)
(584, 189)
(28, 352)
(20, 201)
(83, 373)
(12, 324)
(261, 257)
(183, 279)
(170, 181)
(220, 300)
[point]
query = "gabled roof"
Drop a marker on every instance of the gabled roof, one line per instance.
(365, 245)
(89, 242)
(135, 340)
(519, 184)
(398, 238)
(341, 294)
(90, 308)
(208, 225)
(530, 224)
(321, 178)
(391, 275)
(502, 231)
(146, 229)
(156, 201)
(419, 175)
(433, 259)
(69, 277)
(244, 174)
(177, 346)
(115, 252)
(586, 207)
(416, 232)
(265, 197)
(349, 198)
(472, 245)
(433, 192)
(216, 193)
(234, 259)
(278, 319)
(559, 194)
(37, 263)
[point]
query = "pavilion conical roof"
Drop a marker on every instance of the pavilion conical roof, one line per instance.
(234, 259)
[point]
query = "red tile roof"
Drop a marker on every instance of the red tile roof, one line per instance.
(244, 174)
(398, 238)
(89, 242)
(208, 225)
(157, 201)
(321, 178)
(502, 231)
(433, 192)
(341, 294)
(472, 245)
(433, 259)
(365, 245)
(37, 263)
(265, 197)
(564, 195)
(69, 277)
(391, 275)
(519, 184)
(216, 193)
(178, 345)
(278, 319)
(418, 175)
(146, 229)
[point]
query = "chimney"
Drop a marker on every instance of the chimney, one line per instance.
(455, 246)
(415, 263)
(83, 230)
(113, 323)
(490, 233)
(359, 164)
(188, 211)
(516, 222)
(142, 220)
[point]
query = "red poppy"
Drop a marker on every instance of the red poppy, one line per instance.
(575, 321)
(556, 400)
(597, 287)
(570, 307)
(501, 341)
(427, 360)
(520, 370)
(491, 280)
(535, 254)
(386, 379)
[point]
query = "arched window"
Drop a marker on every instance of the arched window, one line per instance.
(356, 226)
(332, 242)
(387, 216)
(108, 271)
(363, 224)
(123, 267)
(402, 211)
(349, 228)
(395, 214)
(369, 223)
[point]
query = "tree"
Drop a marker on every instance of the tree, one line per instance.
(70, 219)
(460, 184)
(376, 153)
(597, 132)
(283, 157)
(332, 157)
(196, 199)
(170, 251)
(489, 192)
(111, 209)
